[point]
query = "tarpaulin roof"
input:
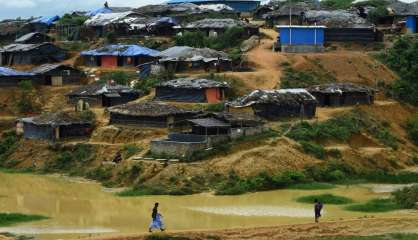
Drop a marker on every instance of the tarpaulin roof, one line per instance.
(49, 67)
(56, 119)
(202, 1)
(340, 88)
(189, 54)
(218, 23)
(209, 123)
(8, 72)
(46, 20)
(149, 109)
(122, 50)
(282, 96)
(17, 47)
(103, 19)
(194, 83)
(336, 19)
(30, 35)
(99, 89)
(108, 10)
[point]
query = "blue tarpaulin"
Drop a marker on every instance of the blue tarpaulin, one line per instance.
(46, 20)
(122, 50)
(98, 11)
(8, 72)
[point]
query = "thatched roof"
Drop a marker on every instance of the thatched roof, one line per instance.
(150, 109)
(278, 97)
(17, 47)
(165, 9)
(341, 88)
(193, 83)
(56, 119)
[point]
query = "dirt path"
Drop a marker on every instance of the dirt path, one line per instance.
(356, 227)
(267, 63)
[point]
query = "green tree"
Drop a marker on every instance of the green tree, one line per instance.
(402, 58)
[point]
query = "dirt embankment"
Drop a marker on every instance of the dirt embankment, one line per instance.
(357, 227)
(345, 66)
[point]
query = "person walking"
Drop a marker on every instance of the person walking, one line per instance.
(157, 221)
(318, 208)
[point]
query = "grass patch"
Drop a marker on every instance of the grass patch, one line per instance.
(7, 219)
(312, 186)
(375, 205)
(326, 199)
(129, 150)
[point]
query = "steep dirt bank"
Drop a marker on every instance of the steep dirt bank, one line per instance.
(342, 65)
(356, 227)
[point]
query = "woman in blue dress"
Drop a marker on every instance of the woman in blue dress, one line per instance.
(157, 220)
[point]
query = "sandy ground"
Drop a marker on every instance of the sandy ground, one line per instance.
(356, 227)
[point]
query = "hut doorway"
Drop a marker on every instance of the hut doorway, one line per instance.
(56, 81)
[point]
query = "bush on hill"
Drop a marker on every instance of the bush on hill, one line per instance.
(402, 58)
(412, 128)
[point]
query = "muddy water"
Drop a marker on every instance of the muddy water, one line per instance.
(80, 208)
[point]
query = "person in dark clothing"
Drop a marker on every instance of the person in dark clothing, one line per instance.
(157, 222)
(318, 208)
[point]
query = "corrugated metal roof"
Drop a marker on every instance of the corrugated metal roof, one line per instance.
(194, 83)
(8, 72)
(46, 20)
(121, 50)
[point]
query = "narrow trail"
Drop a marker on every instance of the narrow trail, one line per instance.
(355, 227)
(267, 63)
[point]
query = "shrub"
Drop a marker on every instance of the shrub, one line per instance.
(232, 37)
(312, 148)
(120, 77)
(402, 59)
(375, 205)
(100, 174)
(69, 19)
(217, 107)
(299, 79)
(143, 190)
(27, 100)
(312, 186)
(412, 128)
(7, 219)
(8, 144)
(129, 150)
(337, 4)
(406, 197)
(325, 199)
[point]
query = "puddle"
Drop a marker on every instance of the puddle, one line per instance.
(257, 211)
